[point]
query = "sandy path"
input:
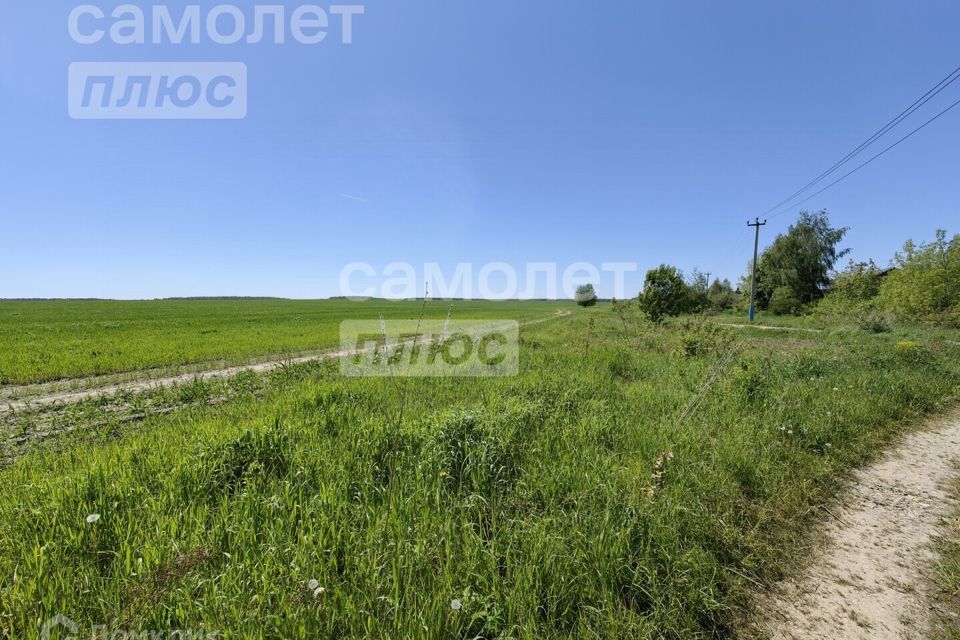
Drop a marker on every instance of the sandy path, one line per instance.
(767, 327)
(136, 386)
(868, 581)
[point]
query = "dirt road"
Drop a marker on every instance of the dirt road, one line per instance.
(767, 327)
(93, 390)
(868, 580)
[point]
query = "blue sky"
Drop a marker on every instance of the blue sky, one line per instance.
(450, 132)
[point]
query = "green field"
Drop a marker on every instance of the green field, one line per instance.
(633, 481)
(49, 340)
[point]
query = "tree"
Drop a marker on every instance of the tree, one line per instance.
(586, 295)
(664, 293)
(926, 281)
(721, 296)
(697, 292)
(799, 262)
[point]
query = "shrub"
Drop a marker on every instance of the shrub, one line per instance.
(700, 338)
(874, 323)
(926, 281)
(854, 292)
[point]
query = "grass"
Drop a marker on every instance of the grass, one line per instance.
(570, 501)
(49, 340)
(947, 574)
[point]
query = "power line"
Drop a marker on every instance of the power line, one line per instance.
(862, 165)
(919, 102)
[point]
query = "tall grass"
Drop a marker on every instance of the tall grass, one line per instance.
(568, 502)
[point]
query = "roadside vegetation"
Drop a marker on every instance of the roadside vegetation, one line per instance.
(947, 574)
(636, 480)
(798, 275)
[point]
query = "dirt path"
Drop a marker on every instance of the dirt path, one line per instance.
(145, 384)
(767, 327)
(868, 581)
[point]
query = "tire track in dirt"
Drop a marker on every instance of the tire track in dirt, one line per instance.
(868, 580)
(138, 386)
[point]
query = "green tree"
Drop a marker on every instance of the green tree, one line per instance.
(926, 281)
(586, 295)
(665, 293)
(721, 296)
(799, 262)
(697, 292)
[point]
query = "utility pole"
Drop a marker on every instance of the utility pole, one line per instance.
(753, 279)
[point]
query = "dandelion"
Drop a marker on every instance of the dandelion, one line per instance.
(444, 474)
(93, 518)
(829, 446)
(790, 432)
(836, 388)
(455, 604)
(319, 591)
(312, 585)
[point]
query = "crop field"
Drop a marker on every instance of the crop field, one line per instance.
(633, 481)
(49, 340)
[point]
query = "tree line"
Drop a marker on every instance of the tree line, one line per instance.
(797, 274)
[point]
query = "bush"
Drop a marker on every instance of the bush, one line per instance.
(926, 281)
(784, 303)
(700, 338)
(875, 323)
(853, 293)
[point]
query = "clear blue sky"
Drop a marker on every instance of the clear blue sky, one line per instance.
(533, 131)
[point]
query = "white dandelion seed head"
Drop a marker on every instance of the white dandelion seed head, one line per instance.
(312, 585)
(455, 604)
(93, 518)
(319, 591)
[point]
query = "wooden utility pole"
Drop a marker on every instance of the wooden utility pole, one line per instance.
(753, 279)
